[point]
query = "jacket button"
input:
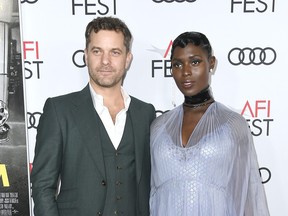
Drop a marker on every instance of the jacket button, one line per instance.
(103, 183)
(99, 213)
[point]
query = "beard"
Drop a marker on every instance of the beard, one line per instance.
(106, 77)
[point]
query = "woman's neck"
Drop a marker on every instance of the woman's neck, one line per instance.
(203, 98)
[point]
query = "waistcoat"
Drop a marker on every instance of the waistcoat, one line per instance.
(120, 172)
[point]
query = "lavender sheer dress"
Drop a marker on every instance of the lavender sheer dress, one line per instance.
(216, 174)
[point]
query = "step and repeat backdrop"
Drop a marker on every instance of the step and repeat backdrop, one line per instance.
(248, 38)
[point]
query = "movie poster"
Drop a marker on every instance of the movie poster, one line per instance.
(14, 179)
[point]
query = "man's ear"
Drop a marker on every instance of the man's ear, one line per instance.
(85, 56)
(129, 59)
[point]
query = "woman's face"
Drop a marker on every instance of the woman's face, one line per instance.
(190, 69)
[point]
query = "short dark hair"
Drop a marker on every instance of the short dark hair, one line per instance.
(109, 23)
(195, 38)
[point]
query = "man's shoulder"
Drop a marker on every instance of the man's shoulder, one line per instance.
(65, 96)
(70, 99)
(139, 102)
(142, 108)
(71, 95)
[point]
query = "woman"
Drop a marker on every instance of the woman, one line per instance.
(203, 157)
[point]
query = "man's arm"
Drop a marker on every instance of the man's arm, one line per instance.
(47, 162)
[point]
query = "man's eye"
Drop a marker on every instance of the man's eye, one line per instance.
(115, 53)
(96, 52)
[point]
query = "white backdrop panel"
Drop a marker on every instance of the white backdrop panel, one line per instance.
(53, 34)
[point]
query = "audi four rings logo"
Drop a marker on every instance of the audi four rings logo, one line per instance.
(170, 1)
(29, 2)
(255, 56)
(33, 119)
(265, 174)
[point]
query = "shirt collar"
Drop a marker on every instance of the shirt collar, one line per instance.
(98, 99)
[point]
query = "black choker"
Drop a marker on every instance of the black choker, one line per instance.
(203, 98)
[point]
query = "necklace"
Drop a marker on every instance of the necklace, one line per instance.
(203, 98)
(198, 105)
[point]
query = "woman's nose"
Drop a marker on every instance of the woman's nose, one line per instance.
(186, 70)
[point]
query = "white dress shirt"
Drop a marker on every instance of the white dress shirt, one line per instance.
(115, 131)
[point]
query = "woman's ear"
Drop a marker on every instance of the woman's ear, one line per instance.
(212, 63)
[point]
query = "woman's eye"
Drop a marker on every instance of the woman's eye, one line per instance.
(176, 65)
(195, 62)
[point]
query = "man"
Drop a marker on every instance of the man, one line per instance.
(92, 153)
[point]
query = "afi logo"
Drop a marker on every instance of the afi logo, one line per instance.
(258, 125)
(259, 6)
(32, 67)
(162, 65)
(95, 8)
(31, 47)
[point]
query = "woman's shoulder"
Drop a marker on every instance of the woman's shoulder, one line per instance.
(229, 115)
(166, 117)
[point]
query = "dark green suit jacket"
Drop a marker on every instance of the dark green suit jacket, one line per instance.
(68, 148)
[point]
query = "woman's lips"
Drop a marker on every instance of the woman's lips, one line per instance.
(187, 84)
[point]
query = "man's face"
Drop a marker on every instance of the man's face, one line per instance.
(107, 59)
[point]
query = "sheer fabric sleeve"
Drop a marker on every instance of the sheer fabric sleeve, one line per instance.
(256, 203)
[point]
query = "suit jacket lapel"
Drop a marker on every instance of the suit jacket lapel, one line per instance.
(88, 125)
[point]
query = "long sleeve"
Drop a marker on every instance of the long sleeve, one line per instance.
(256, 203)
(47, 163)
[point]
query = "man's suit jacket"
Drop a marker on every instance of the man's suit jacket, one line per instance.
(68, 148)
